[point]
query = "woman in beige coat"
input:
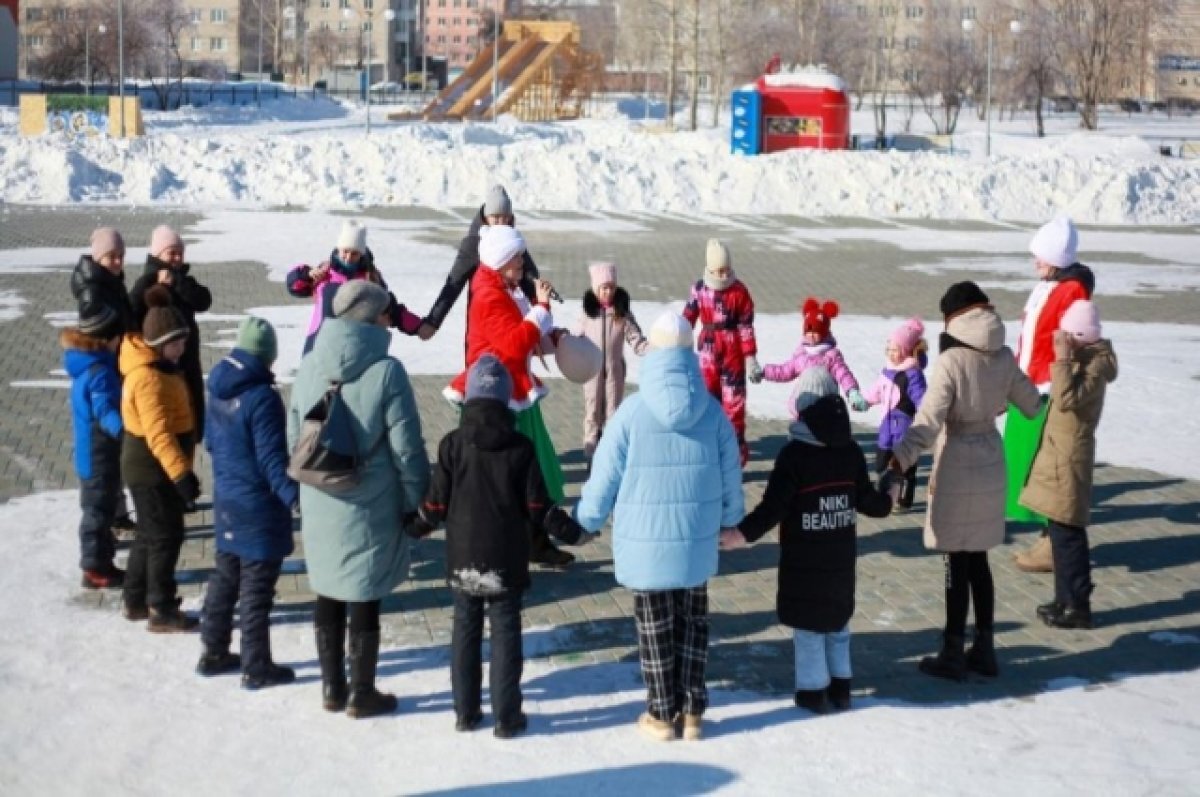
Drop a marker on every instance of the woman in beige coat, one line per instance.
(1060, 481)
(973, 379)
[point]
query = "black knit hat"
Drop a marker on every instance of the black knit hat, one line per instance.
(103, 324)
(163, 322)
(962, 296)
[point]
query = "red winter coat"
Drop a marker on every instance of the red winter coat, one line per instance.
(496, 325)
(1035, 346)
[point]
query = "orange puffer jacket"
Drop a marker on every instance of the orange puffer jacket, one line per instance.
(157, 413)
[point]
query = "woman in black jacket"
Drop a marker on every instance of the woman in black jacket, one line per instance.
(817, 488)
(165, 266)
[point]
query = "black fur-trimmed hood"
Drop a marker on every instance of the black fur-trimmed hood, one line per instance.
(591, 305)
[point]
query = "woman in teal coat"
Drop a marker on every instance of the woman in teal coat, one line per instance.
(354, 543)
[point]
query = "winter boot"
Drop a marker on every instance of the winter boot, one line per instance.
(814, 700)
(1047, 610)
(271, 675)
(171, 621)
(331, 652)
(692, 728)
(220, 662)
(1038, 558)
(656, 729)
(981, 656)
(1071, 617)
(468, 722)
(512, 728)
(949, 663)
(365, 700)
(107, 577)
(838, 693)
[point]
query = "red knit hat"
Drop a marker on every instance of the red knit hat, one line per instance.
(818, 315)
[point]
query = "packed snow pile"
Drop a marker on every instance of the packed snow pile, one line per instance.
(318, 155)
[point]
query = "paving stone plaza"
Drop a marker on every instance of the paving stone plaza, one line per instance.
(1145, 532)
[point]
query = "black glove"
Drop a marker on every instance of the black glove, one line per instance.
(560, 525)
(188, 487)
(415, 526)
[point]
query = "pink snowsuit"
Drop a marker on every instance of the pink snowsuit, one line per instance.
(610, 328)
(825, 354)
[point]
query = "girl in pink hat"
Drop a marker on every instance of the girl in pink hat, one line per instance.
(900, 388)
(609, 323)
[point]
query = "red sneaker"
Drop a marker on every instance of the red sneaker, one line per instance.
(111, 577)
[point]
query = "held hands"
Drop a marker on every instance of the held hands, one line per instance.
(893, 484)
(319, 273)
(857, 402)
(754, 371)
(426, 330)
(1063, 345)
(731, 539)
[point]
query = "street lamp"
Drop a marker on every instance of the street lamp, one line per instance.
(424, 51)
(258, 83)
(388, 15)
(968, 25)
(87, 51)
(121, 62)
(346, 13)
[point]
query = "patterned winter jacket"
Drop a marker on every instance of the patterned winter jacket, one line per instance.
(724, 321)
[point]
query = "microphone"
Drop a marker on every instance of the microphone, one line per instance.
(555, 295)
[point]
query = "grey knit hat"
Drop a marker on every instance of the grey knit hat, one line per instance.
(814, 384)
(360, 300)
(489, 379)
(103, 323)
(497, 202)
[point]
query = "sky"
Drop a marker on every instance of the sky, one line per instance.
(93, 702)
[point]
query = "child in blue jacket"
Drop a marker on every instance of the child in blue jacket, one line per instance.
(253, 499)
(90, 358)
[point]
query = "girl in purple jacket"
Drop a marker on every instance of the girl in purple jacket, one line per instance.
(818, 348)
(900, 388)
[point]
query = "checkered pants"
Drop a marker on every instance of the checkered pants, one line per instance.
(672, 628)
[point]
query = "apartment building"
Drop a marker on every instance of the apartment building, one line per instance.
(380, 37)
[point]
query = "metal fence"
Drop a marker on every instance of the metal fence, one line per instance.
(201, 94)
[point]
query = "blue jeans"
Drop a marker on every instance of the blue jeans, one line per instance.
(820, 657)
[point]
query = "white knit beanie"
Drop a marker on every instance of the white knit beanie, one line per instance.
(716, 256)
(499, 244)
(353, 236)
(1056, 243)
(671, 330)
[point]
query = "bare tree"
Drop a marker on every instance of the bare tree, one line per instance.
(672, 50)
(163, 22)
(1036, 70)
(1092, 34)
(694, 101)
(938, 67)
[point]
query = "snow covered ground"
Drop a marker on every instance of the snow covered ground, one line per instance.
(315, 153)
(93, 703)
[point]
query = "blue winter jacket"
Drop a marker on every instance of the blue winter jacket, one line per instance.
(669, 471)
(246, 435)
(95, 408)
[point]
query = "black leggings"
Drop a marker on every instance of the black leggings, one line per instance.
(330, 613)
(968, 577)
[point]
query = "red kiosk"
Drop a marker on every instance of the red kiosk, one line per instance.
(804, 108)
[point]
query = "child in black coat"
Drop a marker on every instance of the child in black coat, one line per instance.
(818, 485)
(488, 489)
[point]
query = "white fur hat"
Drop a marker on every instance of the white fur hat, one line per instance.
(353, 236)
(671, 330)
(1056, 243)
(499, 244)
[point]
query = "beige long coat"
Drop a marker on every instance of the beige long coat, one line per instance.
(1060, 481)
(969, 385)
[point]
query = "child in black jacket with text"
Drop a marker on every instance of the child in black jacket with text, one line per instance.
(488, 489)
(817, 487)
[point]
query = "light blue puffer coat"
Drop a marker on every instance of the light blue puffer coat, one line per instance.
(354, 544)
(669, 471)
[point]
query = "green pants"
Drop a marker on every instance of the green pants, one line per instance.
(1022, 436)
(530, 424)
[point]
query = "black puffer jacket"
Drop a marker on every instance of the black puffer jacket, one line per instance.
(465, 263)
(189, 297)
(488, 489)
(814, 494)
(94, 286)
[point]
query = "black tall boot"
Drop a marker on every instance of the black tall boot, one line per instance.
(365, 700)
(331, 652)
(981, 657)
(949, 663)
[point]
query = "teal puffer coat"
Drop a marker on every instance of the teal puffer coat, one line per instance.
(354, 544)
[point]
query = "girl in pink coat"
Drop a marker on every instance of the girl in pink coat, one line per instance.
(818, 348)
(607, 322)
(900, 388)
